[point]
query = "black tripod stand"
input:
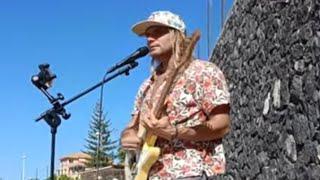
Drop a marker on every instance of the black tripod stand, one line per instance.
(43, 81)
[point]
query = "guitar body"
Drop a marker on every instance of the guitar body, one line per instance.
(148, 156)
(138, 164)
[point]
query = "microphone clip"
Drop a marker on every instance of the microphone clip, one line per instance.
(43, 81)
(140, 52)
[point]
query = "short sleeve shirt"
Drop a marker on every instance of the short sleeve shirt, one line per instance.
(194, 95)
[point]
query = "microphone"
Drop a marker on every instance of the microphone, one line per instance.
(140, 52)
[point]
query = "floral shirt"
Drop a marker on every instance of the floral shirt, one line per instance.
(195, 94)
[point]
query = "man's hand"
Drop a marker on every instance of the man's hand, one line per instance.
(130, 140)
(160, 127)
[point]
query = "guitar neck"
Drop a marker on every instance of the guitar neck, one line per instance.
(142, 131)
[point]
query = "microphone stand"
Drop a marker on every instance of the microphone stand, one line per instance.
(52, 115)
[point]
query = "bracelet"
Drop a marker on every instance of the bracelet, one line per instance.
(175, 134)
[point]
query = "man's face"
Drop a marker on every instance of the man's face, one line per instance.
(159, 41)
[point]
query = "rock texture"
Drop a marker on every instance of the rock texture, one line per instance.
(270, 54)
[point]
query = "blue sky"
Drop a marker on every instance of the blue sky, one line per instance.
(80, 40)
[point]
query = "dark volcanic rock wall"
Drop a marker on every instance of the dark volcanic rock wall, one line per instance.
(270, 54)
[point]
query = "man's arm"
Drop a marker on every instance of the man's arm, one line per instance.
(216, 127)
(129, 138)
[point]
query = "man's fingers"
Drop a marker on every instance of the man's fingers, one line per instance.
(165, 118)
(130, 147)
(133, 144)
(145, 123)
(130, 144)
(153, 123)
(149, 123)
(152, 116)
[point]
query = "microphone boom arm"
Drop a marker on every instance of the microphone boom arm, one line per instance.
(59, 107)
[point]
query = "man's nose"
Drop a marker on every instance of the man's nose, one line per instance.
(150, 39)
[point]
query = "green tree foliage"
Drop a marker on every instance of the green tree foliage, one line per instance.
(121, 154)
(99, 131)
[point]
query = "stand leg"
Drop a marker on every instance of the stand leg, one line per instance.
(54, 121)
(53, 143)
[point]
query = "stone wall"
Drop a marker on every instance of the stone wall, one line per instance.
(270, 54)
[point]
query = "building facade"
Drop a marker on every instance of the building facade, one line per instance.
(73, 164)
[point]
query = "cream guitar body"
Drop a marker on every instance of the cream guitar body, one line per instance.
(148, 155)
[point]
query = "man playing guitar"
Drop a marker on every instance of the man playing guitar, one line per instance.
(196, 113)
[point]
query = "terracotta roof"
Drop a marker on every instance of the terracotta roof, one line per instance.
(77, 155)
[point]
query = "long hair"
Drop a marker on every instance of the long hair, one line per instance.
(176, 41)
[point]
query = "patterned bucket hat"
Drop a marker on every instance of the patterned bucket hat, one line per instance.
(160, 18)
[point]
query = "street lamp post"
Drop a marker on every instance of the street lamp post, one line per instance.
(98, 153)
(99, 124)
(23, 166)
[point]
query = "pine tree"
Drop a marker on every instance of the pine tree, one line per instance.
(121, 154)
(101, 155)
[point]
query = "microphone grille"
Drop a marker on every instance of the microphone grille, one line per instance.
(144, 50)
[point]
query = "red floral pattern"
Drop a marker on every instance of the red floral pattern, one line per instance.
(200, 89)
